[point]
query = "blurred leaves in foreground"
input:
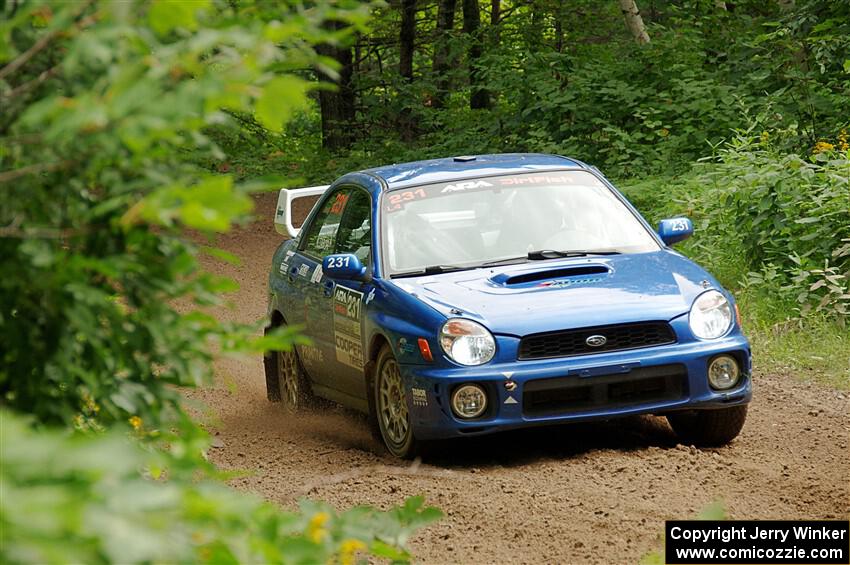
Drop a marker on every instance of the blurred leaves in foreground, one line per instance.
(104, 309)
(105, 106)
(95, 499)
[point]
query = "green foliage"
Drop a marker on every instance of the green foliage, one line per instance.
(99, 187)
(593, 94)
(813, 348)
(105, 111)
(768, 222)
(83, 499)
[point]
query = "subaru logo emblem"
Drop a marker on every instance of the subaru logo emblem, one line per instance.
(596, 340)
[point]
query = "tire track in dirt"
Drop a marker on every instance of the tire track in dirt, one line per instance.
(579, 493)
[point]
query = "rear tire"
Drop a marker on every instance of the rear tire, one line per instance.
(286, 381)
(390, 404)
(709, 428)
(295, 392)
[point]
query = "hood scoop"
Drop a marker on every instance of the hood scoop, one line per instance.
(553, 276)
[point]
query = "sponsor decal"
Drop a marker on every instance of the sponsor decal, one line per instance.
(396, 200)
(317, 274)
(419, 396)
(459, 186)
(536, 179)
(303, 270)
(511, 400)
(347, 305)
(285, 263)
(570, 282)
(370, 296)
(405, 347)
(325, 242)
(339, 203)
(311, 355)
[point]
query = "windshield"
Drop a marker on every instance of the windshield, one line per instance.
(472, 223)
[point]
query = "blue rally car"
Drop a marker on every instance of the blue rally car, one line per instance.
(469, 295)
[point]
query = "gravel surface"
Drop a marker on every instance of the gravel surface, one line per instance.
(589, 493)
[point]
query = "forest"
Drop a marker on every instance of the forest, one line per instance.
(139, 140)
(731, 113)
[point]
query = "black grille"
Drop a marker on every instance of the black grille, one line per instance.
(643, 385)
(574, 342)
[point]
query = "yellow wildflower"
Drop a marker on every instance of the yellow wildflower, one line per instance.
(315, 530)
(764, 138)
(347, 549)
(842, 140)
(823, 147)
(136, 422)
(89, 405)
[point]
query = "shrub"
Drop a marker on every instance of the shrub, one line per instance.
(768, 222)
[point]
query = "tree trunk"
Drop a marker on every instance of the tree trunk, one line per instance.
(633, 20)
(441, 64)
(407, 38)
(479, 97)
(559, 27)
(337, 106)
(495, 19)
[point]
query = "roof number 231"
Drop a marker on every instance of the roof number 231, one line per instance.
(679, 225)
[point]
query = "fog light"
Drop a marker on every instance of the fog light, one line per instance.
(723, 372)
(469, 401)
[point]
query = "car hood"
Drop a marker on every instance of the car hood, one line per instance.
(566, 293)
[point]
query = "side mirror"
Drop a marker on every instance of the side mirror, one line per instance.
(345, 266)
(674, 230)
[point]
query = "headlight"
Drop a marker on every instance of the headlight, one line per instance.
(467, 342)
(711, 315)
(469, 401)
(723, 372)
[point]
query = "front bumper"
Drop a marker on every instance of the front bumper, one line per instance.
(591, 387)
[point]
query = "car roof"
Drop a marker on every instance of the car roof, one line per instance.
(463, 167)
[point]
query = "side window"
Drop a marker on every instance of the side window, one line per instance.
(321, 234)
(355, 230)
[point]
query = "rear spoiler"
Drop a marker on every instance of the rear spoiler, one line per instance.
(283, 213)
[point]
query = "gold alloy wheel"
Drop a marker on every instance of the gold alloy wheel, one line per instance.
(392, 406)
(287, 370)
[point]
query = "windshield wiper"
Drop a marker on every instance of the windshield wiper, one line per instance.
(541, 254)
(507, 261)
(431, 270)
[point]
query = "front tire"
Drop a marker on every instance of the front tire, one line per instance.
(391, 407)
(709, 428)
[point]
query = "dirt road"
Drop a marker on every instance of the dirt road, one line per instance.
(581, 493)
